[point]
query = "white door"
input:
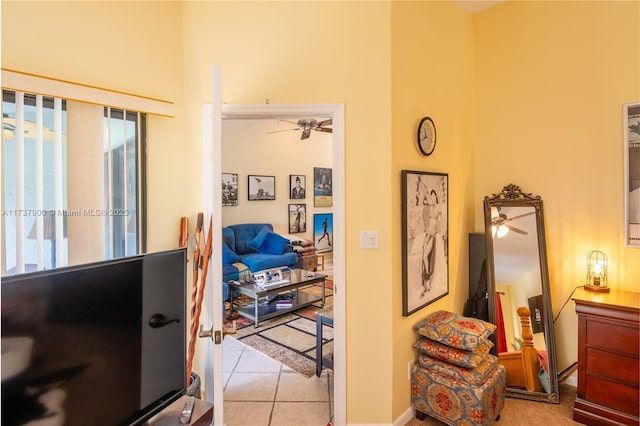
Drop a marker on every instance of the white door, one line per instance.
(212, 314)
(212, 175)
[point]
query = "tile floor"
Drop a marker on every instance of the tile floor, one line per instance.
(259, 391)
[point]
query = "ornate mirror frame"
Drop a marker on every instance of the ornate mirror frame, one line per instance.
(510, 197)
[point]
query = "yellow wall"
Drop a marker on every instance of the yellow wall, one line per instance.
(301, 52)
(526, 92)
(248, 148)
(432, 64)
(551, 80)
(125, 46)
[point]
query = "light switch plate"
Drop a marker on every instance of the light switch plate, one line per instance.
(368, 239)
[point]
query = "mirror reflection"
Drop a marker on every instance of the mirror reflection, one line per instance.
(517, 275)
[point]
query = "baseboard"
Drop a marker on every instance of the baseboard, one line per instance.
(569, 375)
(404, 417)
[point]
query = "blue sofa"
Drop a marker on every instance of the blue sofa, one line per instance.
(255, 246)
(252, 247)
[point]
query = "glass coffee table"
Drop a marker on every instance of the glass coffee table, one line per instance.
(281, 298)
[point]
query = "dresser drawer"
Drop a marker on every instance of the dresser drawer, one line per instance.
(613, 336)
(611, 394)
(621, 368)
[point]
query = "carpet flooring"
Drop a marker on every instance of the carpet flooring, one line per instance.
(517, 412)
(290, 338)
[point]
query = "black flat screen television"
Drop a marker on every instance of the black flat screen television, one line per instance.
(95, 344)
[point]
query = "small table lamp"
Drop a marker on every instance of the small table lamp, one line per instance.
(597, 264)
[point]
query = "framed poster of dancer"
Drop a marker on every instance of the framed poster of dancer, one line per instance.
(323, 232)
(425, 244)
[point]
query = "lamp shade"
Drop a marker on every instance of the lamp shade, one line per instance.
(597, 264)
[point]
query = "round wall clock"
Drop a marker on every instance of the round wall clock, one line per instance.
(426, 136)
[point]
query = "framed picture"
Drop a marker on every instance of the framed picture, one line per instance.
(323, 232)
(631, 113)
(537, 314)
(322, 187)
(425, 228)
(297, 185)
(229, 189)
(262, 187)
(297, 218)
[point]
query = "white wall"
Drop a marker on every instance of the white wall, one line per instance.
(249, 149)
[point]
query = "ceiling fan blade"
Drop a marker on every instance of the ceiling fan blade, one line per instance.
(519, 216)
(516, 230)
(323, 123)
(324, 129)
(305, 134)
(285, 130)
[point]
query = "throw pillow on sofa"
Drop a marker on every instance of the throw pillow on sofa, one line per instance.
(257, 241)
(269, 243)
(228, 255)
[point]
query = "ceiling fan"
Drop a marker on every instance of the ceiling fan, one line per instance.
(500, 226)
(307, 125)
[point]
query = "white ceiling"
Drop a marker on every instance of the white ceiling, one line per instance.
(472, 6)
(516, 254)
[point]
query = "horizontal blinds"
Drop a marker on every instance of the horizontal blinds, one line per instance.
(31, 83)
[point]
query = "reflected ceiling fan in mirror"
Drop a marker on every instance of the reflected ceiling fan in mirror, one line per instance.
(499, 223)
(307, 125)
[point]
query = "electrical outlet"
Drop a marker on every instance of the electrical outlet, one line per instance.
(409, 368)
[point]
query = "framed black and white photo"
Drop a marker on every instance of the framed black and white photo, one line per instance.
(323, 232)
(262, 187)
(297, 218)
(322, 187)
(425, 229)
(297, 187)
(229, 189)
(631, 113)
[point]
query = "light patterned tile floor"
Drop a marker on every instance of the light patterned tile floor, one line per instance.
(262, 392)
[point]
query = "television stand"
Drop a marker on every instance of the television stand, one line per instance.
(202, 414)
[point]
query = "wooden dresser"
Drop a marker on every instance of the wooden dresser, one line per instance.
(608, 347)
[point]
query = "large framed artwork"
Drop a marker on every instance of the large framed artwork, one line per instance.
(322, 187)
(323, 232)
(425, 243)
(297, 218)
(229, 189)
(262, 187)
(631, 113)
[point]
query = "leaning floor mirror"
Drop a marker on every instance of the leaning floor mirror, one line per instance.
(518, 277)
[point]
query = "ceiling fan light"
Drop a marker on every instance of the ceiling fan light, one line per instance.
(502, 231)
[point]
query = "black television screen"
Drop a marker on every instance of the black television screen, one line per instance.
(80, 347)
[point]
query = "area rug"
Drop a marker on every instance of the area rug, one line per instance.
(290, 338)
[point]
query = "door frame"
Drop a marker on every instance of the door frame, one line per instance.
(212, 147)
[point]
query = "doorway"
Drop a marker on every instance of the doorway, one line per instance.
(336, 113)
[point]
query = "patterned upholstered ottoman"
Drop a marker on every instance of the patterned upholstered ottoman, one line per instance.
(456, 402)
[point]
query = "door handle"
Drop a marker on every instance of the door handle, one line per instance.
(159, 320)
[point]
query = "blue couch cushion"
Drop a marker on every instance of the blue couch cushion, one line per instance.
(228, 255)
(259, 261)
(244, 233)
(229, 238)
(272, 243)
(258, 240)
